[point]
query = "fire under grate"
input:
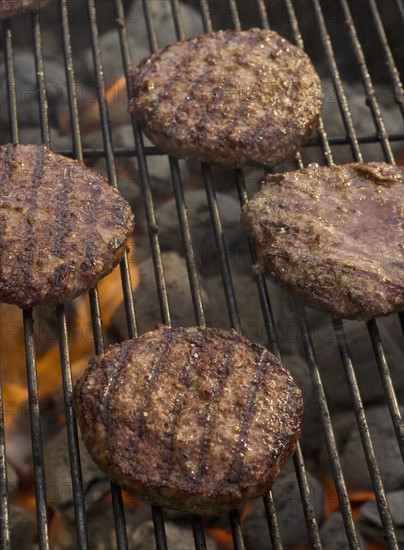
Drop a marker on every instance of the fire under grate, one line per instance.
(383, 142)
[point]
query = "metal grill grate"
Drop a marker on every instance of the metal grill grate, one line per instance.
(327, 144)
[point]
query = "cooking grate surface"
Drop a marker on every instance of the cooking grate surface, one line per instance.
(322, 142)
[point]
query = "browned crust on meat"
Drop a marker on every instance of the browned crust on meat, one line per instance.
(228, 97)
(62, 226)
(12, 7)
(334, 236)
(194, 419)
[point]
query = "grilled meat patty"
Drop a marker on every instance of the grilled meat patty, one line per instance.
(12, 7)
(228, 97)
(62, 226)
(196, 419)
(334, 236)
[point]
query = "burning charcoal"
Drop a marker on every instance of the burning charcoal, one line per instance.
(328, 355)
(292, 523)
(362, 119)
(22, 527)
(333, 534)
(100, 529)
(202, 232)
(58, 477)
(178, 537)
(386, 449)
(158, 165)
(370, 524)
(311, 426)
(139, 528)
(252, 322)
(146, 301)
(112, 59)
(138, 36)
(363, 360)
(26, 90)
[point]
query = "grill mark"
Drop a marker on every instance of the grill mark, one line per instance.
(197, 80)
(160, 359)
(175, 413)
(209, 418)
(63, 225)
(243, 104)
(183, 62)
(201, 125)
(237, 468)
(109, 392)
(91, 249)
(30, 244)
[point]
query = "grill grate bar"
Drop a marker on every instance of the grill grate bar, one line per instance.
(4, 517)
(29, 341)
(10, 76)
(400, 9)
(117, 504)
(308, 509)
(238, 540)
(341, 96)
(71, 427)
(262, 14)
(159, 528)
(367, 82)
(272, 521)
(151, 31)
(387, 383)
(72, 433)
(199, 535)
(235, 19)
(71, 82)
(221, 249)
(12, 106)
(178, 20)
(40, 81)
(328, 431)
(320, 125)
(36, 431)
(187, 240)
(150, 150)
(367, 444)
(206, 20)
(392, 68)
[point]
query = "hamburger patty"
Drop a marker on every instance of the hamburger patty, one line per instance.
(196, 419)
(62, 226)
(334, 236)
(12, 7)
(228, 97)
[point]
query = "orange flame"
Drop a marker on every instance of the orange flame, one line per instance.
(12, 354)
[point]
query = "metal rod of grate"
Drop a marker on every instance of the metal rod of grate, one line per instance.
(142, 153)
